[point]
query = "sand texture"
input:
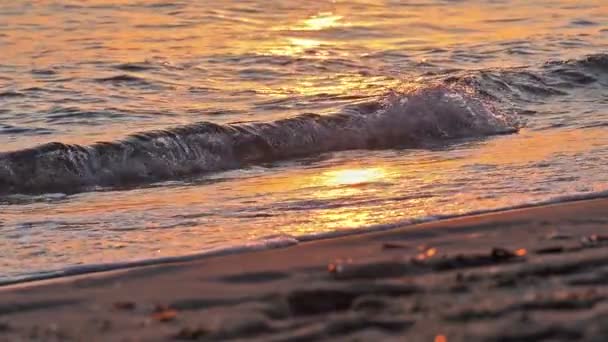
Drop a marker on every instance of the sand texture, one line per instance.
(536, 274)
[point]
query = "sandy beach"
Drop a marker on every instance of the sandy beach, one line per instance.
(521, 275)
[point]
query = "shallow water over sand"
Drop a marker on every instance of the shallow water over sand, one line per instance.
(79, 73)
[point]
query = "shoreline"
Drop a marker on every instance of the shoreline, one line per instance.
(275, 243)
(530, 273)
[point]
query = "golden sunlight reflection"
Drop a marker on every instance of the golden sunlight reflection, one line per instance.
(353, 176)
(343, 84)
(292, 46)
(304, 44)
(346, 189)
(295, 46)
(341, 218)
(322, 21)
(318, 22)
(348, 184)
(531, 146)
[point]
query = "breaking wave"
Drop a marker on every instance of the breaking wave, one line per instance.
(408, 119)
(467, 105)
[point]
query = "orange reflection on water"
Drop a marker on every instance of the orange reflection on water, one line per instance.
(294, 46)
(322, 21)
(339, 218)
(353, 176)
(318, 22)
(338, 84)
(345, 185)
(529, 146)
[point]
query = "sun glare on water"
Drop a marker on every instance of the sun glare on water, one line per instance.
(322, 21)
(353, 176)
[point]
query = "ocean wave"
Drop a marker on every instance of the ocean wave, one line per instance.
(524, 85)
(11, 129)
(598, 60)
(134, 67)
(8, 93)
(415, 118)
(455, 105)
(132, 81)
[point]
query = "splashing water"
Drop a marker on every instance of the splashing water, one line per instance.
(400, 120)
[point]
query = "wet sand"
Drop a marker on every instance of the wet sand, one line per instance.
(522, 275)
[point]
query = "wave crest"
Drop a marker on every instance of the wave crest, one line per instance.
(412, 119)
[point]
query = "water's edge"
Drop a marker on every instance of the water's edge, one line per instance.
(281, 241)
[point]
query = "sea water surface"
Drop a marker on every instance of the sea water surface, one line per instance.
(136, 130)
